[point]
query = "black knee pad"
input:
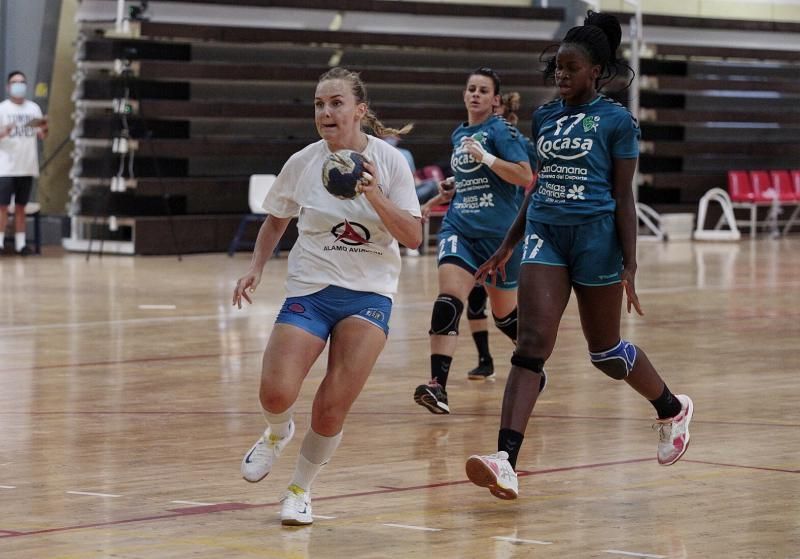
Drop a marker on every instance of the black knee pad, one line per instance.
(531, 363)
(476, 303)
(507, 325)
(446, 315)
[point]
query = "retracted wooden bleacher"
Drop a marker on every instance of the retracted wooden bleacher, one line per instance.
(716, 95)
(226, 94)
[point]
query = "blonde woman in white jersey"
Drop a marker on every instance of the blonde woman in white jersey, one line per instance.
(343, 272)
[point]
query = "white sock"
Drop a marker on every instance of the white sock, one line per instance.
(19, 241)
(315, 453)
(2, 241)
(279, 422)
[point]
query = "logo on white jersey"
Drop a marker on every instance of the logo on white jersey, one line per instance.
(350, 236)
(351, 233)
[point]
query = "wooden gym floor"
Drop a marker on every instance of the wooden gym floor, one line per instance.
(128, 394)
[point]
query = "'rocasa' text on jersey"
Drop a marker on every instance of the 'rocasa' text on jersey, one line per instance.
(548, 149)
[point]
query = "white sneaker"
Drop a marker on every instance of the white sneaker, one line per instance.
(673, 433)
(296, 508)
(495, 472)
(258, 461)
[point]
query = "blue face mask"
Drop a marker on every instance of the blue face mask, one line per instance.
(18, 89)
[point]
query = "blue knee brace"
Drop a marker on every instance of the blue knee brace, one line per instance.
(616, 362)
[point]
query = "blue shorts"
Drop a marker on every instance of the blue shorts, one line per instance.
(320, 312)
(591, 251)
(469, 254)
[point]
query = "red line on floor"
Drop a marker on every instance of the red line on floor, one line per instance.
(762, 468)
(127, 361)
(389, 413)
(224, 507)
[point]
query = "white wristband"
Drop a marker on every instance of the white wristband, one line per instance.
(488, 159)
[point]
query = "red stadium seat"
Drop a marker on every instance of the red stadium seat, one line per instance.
(796, 183)
(794, 186)
(739, 187)
(782, 182)
(432, 172)
(750, 190)
(436, 211)
(763, 189)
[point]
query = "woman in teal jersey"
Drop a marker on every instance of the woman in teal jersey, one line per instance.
(579, 227)
(488, 160)
(477, 299)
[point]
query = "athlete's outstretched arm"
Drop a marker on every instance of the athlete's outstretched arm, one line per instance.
(402, 225)
(269, 234)
(627, 224)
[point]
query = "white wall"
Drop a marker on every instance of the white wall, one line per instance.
(20, 31)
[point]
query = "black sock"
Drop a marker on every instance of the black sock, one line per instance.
(510, 441)
(482, 344)
(666, 405)
(440, 367)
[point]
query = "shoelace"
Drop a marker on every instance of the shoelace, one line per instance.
(270, 443)
(664, 430)
(497, 456)
(297, 502)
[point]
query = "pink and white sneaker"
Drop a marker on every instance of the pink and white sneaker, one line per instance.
(495, 472)
(673, 433)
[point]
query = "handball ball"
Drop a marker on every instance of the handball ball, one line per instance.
(341, 173)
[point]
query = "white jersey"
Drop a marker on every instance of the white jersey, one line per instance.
(341, 242)
(18, 152)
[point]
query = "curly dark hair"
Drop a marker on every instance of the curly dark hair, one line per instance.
(599, 37)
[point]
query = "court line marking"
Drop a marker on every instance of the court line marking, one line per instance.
(409, 527)
(91, 494)
(322, 516)
(224, 507)
(656, 323)
(130, 361)
(271, 310)
(764, 468)
(634, 554)
(157, 307)
(8, 486)
(391, 413)
(193, 503)
(520, 540)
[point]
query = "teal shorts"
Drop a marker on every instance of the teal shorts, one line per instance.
(590, 251)
(469, 254)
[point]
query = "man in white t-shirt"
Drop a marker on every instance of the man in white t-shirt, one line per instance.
(21, 122)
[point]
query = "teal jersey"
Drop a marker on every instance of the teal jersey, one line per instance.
(575, 148)
(484, 205)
